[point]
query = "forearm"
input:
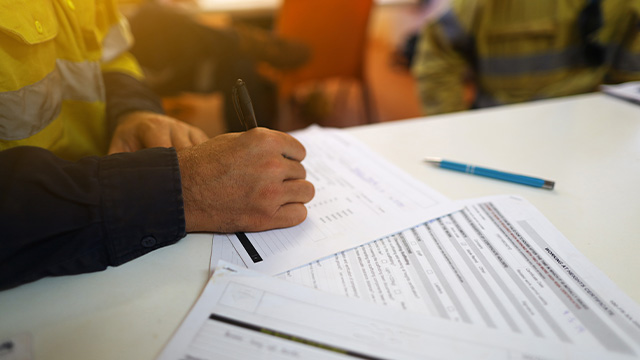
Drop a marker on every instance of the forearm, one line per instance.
(60, 218)
(439, 95)
(127, 94)
(439, 72)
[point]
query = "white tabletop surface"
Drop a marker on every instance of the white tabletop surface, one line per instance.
(590, 145)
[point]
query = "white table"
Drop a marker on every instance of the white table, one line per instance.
(589, 144)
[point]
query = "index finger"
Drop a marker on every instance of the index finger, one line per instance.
(118, 145)
(157, 138)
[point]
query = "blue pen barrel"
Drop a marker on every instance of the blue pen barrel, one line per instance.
(520, 179)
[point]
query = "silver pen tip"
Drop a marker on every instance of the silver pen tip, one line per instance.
(433, 160)
(548, 184)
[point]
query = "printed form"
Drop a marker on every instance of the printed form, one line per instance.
(498, 263)
(359, 198)
(242, 314)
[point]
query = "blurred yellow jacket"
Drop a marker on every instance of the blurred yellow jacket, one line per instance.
(53, 54)
(522, 50)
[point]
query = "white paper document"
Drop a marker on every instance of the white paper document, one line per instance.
(246, 315)
(359, 197)
(628, 91)
(498, 263)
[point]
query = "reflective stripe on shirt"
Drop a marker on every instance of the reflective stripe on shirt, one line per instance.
(117, 41)
(526, 65)
(627, 60)
(570, 57)
(19, 118)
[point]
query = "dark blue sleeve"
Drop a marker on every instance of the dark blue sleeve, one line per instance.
(59, 217)
(125, 94)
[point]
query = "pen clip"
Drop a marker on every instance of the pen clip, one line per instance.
(236, 104)
(242, 104)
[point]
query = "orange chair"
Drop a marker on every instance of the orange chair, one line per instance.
(336, 33)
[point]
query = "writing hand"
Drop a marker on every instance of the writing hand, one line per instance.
(249, 181)
(141, 129)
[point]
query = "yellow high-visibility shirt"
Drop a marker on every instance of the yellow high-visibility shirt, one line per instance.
(53, 54)
(522, 50)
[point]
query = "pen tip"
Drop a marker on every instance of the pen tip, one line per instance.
(432, 160)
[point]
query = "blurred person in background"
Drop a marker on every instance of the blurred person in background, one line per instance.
(511, 51)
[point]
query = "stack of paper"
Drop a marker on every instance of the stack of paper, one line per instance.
(492, 280)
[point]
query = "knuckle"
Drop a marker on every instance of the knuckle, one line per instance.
(311, 191)
(274, 167)
(298, 215)
(154, 122)
(271, 142)
(269, 195)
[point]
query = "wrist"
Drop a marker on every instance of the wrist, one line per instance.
(188, 179)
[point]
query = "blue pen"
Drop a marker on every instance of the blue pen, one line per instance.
(495, 174)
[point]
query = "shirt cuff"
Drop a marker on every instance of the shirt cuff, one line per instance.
(142, 203)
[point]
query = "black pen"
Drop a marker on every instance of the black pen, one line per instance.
(243, 105)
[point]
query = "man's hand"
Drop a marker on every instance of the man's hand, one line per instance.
(140, 129)
(250, 181)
